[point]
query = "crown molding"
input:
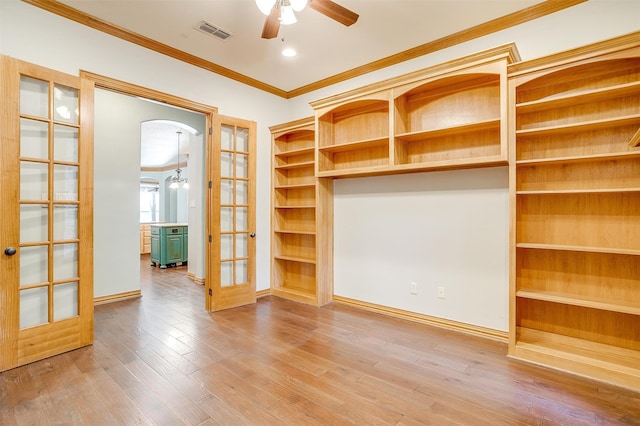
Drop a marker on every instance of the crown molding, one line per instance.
(534, 12)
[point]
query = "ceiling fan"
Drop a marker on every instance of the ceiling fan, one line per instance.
(282, 12)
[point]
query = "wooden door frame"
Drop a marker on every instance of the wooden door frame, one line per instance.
(91, 81)
(218, 298)
(23, 346)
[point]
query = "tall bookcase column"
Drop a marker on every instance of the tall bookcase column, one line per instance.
(449, 116)
(575, 211)
(302, 217)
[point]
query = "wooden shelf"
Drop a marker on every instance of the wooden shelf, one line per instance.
(571, 299)
(575, 285)
(580, 158)
(587, 96)
(608, 363)
(301, 217)
(580, 127)
(294, 294)
(295, 152)
(438, 119)
(447, 131)
(356, 145)
(294, 207)
(295, 186)
(559, 247)
(288, 231)
(296, 165)
(579, 191)
(295, 259)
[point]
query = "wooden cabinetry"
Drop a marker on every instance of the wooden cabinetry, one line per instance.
(145, 238)
(169, 242)
(453, 115)
(575, 191)
(301, 219)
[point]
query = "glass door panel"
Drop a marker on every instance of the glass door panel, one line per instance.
(34, 139)
(34, 223)
(34, 181)
(34, 265)
(235, 204)
(34, 97)
(46, 258)
(65, 301)
(34, 307)
(65, 104)
(65, 143)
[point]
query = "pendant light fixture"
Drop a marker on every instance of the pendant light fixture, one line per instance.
(178, 181)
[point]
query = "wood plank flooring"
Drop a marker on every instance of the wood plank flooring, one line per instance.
(163, 360)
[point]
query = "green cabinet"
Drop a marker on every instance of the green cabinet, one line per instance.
(169, 243)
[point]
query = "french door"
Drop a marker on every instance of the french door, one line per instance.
(46, 256)
(231, 219)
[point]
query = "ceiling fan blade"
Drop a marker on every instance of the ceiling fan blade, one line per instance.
(271, 25)
(334, 11)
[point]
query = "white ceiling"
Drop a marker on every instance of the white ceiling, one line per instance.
(325, 47)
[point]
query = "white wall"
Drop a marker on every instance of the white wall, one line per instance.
(441, 229)
(39, 37)
(382, 243)
(36, 36)
(117, 128)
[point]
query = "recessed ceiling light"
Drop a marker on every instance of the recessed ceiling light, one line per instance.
(289, 52)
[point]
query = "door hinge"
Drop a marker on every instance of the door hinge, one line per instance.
(210, 238)
(210, 184)
(211, 130)
(210, 292)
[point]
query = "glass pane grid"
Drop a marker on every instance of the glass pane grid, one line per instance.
(49, 170)
(234, 206)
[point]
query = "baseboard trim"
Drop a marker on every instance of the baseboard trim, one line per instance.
(117, 297)
(195, 279)
(263, 293)
(475, 330)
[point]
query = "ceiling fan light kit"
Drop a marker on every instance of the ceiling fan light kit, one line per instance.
(282, 12)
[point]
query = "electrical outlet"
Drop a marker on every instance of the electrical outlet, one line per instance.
(413, 288)
(441, 293)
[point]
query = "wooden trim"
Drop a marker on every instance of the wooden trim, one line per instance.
(289, 125)
(164, 168)
(119, 86)
(513, 19)
(119, 297)
(475, 330)
(595, 49)
(378, 90)
(68, 12)
(263, 293)
(195, 279)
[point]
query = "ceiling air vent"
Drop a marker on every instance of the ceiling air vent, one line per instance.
(212, 30)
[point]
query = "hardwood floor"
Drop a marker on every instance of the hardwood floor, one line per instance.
(163, 360)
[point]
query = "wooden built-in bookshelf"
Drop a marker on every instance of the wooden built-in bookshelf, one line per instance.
(301, 222)
(575, 192)
(452, 115)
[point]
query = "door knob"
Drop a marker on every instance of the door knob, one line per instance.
(252, 235)
(10, 251)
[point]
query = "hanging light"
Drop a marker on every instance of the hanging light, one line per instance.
(265, 6)
(178, 181)
(287, 17)
(287, 7)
